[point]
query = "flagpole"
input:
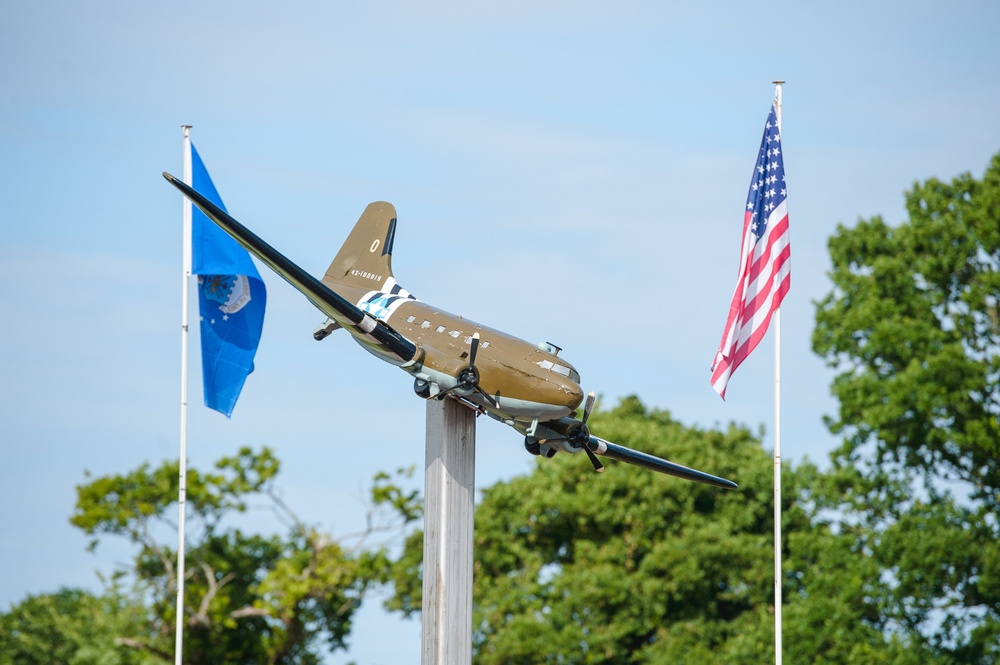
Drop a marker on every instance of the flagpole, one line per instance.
(777, 444)
(182, 473)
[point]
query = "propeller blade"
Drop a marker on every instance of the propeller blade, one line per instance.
(468, 378)
(475, 348)
(441, 393)
(489, 397)
(645, 460)
(598, 467)
(588, 406)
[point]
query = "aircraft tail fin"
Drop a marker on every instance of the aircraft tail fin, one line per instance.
(377, 335)
(365, 260)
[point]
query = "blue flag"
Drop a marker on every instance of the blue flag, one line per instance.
(231, 299)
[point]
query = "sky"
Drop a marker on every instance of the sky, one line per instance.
(571, 172)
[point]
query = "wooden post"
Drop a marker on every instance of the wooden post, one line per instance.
(449, 500)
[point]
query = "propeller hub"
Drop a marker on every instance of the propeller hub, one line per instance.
(579, 435)
(468, 378)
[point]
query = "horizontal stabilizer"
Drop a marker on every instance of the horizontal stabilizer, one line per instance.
(328, 301)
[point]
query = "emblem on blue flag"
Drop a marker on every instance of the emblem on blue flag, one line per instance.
(232, 292)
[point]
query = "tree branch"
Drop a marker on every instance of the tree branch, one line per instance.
(201, 616)
(133, 643)
(249, 611)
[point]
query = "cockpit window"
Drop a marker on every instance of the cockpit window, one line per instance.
(560, 369)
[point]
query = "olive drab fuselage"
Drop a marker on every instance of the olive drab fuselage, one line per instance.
(528, 382)
(524, 385)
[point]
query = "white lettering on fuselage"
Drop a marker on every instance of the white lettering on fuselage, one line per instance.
(367, 275)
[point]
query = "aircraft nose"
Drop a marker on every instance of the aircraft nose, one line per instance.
(573, 396)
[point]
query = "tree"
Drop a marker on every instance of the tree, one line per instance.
(72, 627)
(249, 598)
(912, 328)
(635, 567)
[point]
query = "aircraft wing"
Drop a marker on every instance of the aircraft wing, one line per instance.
(623, 454)
(349, 316)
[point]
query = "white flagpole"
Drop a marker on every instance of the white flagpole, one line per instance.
(777, 444)
(182, 474)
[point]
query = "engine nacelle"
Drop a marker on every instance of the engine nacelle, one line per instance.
(563, 435)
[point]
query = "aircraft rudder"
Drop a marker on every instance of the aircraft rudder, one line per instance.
(365, 259)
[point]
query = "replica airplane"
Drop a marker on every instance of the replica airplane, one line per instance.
(524, 385)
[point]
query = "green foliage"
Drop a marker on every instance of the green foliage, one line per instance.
(913, 329)
(126, 505)
(632, 566)
(249, 598)
(72, 627)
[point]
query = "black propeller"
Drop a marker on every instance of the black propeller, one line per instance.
(579, 435)
(468, 378)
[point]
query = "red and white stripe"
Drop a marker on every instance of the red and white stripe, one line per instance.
(764, 278)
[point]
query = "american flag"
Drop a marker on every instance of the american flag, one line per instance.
(765, 271)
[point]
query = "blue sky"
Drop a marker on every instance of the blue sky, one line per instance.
(570, 172)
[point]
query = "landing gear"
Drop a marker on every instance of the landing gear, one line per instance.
(324, 329)
(422, 388)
